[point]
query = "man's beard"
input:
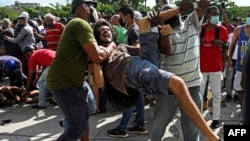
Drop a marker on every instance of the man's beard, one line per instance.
(105, 43)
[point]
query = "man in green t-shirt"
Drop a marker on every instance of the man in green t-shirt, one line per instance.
(67, 72)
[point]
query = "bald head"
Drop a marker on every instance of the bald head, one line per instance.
(6, 23)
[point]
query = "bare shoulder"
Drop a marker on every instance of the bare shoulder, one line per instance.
(237, 29)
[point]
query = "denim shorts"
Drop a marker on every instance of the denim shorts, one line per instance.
(146, 77)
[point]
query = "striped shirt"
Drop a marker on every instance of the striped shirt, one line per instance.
(53, 35)
(184, 59)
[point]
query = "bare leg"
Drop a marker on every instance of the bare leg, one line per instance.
(9, 92)
(177, 86)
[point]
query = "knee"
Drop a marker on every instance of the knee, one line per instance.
(77, 132)
(176, 83)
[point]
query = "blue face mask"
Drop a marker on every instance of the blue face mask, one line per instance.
(19, 26)
(248, 20)
(214, 19)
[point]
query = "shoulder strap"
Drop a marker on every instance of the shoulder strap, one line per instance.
(203, 30)
(217, 32)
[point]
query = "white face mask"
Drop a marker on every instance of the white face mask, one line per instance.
(248, 20)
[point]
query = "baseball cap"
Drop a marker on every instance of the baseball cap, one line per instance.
(24, 15)
(137, 15)
(75, 3)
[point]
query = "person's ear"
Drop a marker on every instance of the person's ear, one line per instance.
(86, 8)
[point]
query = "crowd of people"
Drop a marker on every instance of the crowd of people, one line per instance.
(174, 61)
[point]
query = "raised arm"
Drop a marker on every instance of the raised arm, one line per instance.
(204, 4)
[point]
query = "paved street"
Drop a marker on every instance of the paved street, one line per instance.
(29, 124)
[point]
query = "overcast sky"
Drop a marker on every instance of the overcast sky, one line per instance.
(150, 3)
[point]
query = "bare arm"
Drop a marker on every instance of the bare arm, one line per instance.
(165, 44)
(244, 69)
(29, 79)
(40, 37)
(204, 5)
(228, 25)
(232, 45)
(96, 54)
(164, 31)
(224, 58)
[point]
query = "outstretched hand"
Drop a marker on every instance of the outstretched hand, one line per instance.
(155, 18)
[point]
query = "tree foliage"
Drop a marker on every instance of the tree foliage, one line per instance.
(112, 6)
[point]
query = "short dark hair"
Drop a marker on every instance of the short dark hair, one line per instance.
(127, 10)
(210, 8)
(237, 19)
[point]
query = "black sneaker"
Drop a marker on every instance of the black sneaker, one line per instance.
(36, 106)
(215, 124)
(117, 133)
(53, 102)
(152, 102)
(137, 130)
(228, 98)
(236, 99)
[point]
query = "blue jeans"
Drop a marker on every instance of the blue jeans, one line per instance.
(149, 52)
(149, 49)
(146, 77)
(43, 89)
(167, 104)
(139, 114)
(73, 104)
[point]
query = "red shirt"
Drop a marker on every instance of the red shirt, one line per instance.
(210, 56)
(53, 35)
(41, 57)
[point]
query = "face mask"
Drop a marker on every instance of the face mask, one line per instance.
(19, 26)
(214, 19)
(248, 20)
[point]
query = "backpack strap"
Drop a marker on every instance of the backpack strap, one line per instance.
(217, 32)
(203, 30)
